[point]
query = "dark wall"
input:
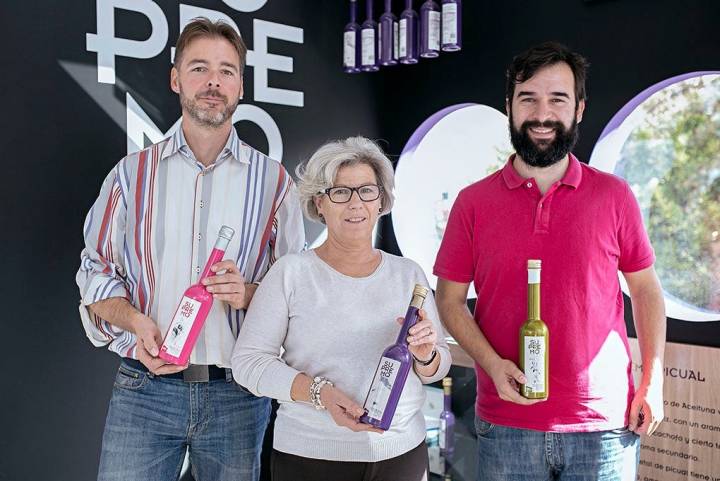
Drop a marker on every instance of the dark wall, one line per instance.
(58, 144)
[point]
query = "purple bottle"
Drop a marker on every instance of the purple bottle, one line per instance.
(429, 29)
(451, 25)
(351, 35)
(388, 33)
(368, 34)
(447, 422)
(408, 35)
(392, 371)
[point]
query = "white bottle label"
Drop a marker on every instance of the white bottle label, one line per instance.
(402, 42)
(180, 326)
(533, 276)
(449, 23)
(534, 347)
(349, 49)
(433, 30)
(381, 387)
(395, 40)
(443, 433)
(368, 46)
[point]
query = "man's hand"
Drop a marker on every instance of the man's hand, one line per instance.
(147, 348)
(646, 409)
(228, 286)
(507, 379)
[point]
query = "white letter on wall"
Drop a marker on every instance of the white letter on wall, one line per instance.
(245, 5)
(262, 61)
(108, 46)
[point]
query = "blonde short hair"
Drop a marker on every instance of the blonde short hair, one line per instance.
(319, 171)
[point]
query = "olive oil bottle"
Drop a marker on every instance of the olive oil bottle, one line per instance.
(534, 341)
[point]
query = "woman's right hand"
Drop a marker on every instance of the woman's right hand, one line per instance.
(344, 411)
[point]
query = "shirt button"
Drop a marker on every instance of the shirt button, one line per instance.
(197, 269)
(199, 236)
(541, 205)
(529, 184)
(202, 204)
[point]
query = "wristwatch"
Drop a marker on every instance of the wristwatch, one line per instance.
(429, 361)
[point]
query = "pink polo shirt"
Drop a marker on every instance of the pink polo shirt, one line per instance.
(584, 229)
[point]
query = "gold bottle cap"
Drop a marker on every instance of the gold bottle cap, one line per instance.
(421, 291)
(534, 263)
(447, 382)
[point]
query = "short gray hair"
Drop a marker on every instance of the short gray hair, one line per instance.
(319, 171)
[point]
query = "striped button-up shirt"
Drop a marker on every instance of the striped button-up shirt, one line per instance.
(155, 222)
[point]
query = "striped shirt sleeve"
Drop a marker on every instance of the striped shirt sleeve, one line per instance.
(101, 274)
(288, 231)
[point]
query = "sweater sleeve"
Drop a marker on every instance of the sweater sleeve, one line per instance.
(256, 361)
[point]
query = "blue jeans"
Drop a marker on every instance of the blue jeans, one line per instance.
(509, 454)
(152, 421)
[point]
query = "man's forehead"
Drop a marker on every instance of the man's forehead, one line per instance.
(211, 48)
(556, 77)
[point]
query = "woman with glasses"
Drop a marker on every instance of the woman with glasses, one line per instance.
(320, 320)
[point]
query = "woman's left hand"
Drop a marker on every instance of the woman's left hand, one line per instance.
(422, 337)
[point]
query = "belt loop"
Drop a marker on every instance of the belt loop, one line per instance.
(228, 375)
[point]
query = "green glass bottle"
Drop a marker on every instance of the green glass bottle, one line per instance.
(534, 341)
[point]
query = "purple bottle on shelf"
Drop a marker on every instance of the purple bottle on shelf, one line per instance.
(351, 44)
(392, 371)
(447, 422)
(429, 29)
(369, 43)
(408, 35)
(388, 33)
(451, 25)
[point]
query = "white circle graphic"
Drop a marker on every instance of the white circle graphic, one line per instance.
(452, 149)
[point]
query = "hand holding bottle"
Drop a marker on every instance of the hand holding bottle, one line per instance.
(507, 378)
(148, 339)
(344, 411)
(422, 337)
(230, 286)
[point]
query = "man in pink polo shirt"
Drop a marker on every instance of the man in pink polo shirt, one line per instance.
(585, 226)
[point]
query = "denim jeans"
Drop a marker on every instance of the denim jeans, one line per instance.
(152, 421)
(509, 454)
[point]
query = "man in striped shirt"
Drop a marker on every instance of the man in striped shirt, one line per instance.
(146, 240)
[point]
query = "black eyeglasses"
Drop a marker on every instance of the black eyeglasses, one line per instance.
(342, 194)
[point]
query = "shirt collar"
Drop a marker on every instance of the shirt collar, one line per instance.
(572, 177)
(234, 147)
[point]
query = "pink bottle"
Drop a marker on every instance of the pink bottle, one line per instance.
(194, 307)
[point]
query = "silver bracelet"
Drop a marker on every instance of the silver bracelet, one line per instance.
(315, 386)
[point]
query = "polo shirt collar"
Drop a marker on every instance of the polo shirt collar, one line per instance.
(572, 177)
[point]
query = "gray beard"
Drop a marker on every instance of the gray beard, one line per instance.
(206, 117)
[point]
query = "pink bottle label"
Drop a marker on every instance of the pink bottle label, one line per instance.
(181, 326)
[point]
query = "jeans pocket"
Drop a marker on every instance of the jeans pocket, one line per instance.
(483, 428)
(128, 378)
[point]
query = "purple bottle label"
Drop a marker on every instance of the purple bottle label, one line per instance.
(381, 388)
(443, 433)
(449, 23)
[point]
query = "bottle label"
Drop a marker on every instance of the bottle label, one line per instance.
(449, 23)
(368, 46)
(395, 40)
(433, 30)
(180, 326)
(402, 41)
(533, 276)
(534, 350)
(381, 387)
(443, 433)
(349, 49)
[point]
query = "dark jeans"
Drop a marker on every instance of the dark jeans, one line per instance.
(411, 466)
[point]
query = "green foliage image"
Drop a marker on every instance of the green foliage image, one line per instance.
(672, 161)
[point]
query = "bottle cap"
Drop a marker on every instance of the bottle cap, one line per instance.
(534, 263)
(447, 382)
(226, 232)
(421, 291)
